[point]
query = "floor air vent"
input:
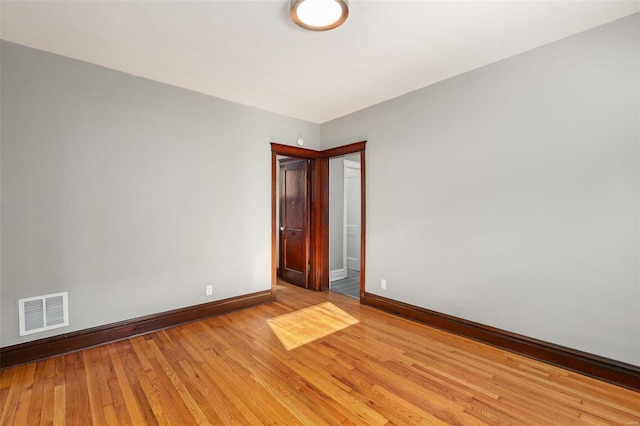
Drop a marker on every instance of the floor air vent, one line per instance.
(43, 313)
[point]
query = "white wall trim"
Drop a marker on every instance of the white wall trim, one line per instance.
(338, 274)
(348, 165)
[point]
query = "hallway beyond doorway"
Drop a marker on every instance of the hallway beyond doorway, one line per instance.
(349, 286)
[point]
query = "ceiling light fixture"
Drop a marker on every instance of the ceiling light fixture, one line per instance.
(319, 15)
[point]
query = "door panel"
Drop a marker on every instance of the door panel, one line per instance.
(294, 249)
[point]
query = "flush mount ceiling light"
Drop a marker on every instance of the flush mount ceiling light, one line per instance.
(319, 15)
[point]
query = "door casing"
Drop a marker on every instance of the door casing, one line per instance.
(318, 211)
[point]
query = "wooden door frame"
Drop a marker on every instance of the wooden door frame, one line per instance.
(318, 210)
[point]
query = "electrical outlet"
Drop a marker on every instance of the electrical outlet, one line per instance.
(383, 284)
(209, 290)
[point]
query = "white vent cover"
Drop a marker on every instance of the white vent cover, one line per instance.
(43, 313)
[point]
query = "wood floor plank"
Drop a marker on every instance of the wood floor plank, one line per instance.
(93, 392)
(276, 385)
(48, 386)
(115, 394)
(340, 363)
(35, 403)
(167, 407)
(395, 376)
(110, 415)
(60, 407)
(104, 374)
(154, 397)
(132, 404)
(229, 406)
(181, 390)
(311, 387)
(22, 410)
(296, 404)
(132, 365)
(234, 398)
(77, 400)
(11, 403)
(5, 379)
(215, 412)
(219, 406)
(304, 391)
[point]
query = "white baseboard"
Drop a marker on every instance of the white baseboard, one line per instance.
(353, 263)
(337, 274)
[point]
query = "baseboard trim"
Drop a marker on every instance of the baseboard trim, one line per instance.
(57, 345)
(608, 370)
(337, 274)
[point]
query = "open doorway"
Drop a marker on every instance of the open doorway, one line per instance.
(345, 225)
(318, 231)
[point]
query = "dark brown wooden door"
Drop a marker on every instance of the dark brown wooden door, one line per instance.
(294, 222)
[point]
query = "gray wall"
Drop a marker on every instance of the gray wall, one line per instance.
(130, 194)
(509, 195)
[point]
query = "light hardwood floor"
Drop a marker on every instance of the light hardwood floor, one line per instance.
(345, 364)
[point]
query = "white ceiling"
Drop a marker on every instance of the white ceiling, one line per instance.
(250, 52)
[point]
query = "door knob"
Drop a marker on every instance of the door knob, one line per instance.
(282, 228)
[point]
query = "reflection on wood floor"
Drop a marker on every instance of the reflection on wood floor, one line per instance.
(366, 368)
(349, 286)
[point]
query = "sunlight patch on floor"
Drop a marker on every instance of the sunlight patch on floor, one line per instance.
(306, 325)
